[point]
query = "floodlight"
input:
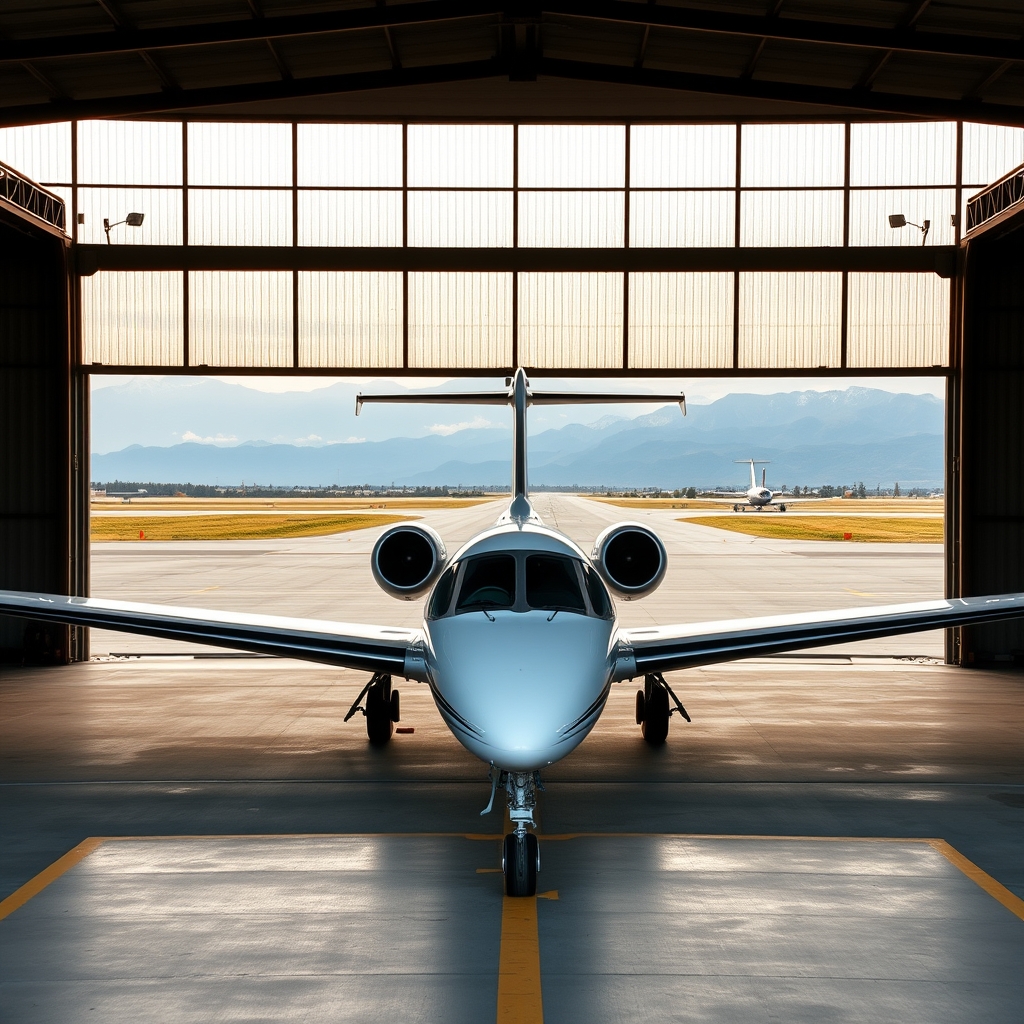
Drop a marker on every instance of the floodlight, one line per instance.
(133, 220)
(897, 220)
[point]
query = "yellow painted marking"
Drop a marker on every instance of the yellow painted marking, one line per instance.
(550, 895)
(206, 590)
(519, 996)
(488, 871)
(36, 885)
(1014, 904)
(858, 593)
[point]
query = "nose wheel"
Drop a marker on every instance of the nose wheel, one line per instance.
(520, 862)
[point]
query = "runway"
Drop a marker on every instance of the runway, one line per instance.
(657, 915)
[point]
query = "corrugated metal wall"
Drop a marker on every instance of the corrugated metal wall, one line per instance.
(992, 438)
(35, 452)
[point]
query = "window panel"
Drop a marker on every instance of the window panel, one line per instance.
(571, 219)
(572, 156)
(160, 226)
(350, 319)
(133, 318)
(903, 154)
(990, 151)
(239, 217)
(898, 320)
(791, 218)
(350, 218)
(672, 219)
(460, 319)
(460, 155)
(792, 155)
(682, 156)
(789, 320)
(349, 155)
(239, 154)
(570, 320)
(460, 218)
(870, 209)
(129, 152)
(41, 151)
(680, 320)
(240, 318)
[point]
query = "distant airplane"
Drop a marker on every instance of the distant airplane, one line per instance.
(758, 497)
(519, 644)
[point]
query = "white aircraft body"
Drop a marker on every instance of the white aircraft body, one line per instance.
(758, 496)
(519, 643)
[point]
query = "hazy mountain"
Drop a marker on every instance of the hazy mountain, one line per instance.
(810, 437)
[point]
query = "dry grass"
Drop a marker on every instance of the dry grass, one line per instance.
(785, 526)
(231, 527)
(287, 505)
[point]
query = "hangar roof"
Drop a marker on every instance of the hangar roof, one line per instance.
(553, 60)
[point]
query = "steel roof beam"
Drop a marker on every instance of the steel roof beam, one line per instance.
(852, 100)
(767, 26)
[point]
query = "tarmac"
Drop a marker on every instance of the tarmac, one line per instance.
(835, 837)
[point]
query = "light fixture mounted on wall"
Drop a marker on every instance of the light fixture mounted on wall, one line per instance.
(133, 220)
(897, 220)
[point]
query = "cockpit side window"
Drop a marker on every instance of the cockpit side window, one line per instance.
(488, 581)
(599, 599)
(552, 584)
(441, 599)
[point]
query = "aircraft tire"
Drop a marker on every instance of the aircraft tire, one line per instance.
(735, 508)
(782, 508)
(380, 725)
(640, 707)
(520, 860)
(656, 713)
(396, 708)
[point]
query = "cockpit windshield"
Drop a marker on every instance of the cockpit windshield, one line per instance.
(552, 584)
(488, 582)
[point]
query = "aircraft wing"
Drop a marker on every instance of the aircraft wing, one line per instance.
(665, 648)
(349, 645)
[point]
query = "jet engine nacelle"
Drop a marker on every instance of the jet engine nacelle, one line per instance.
(407, 559)
(631, 559)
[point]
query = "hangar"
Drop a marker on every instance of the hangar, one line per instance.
(459, 189)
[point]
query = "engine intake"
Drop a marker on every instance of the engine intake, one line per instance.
(631, 559)
(407, 559)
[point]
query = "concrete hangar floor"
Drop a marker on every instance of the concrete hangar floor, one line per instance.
(834, 837)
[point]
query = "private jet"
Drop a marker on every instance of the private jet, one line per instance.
(519, 643)
(757, 497)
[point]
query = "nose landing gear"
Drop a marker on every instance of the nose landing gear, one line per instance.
(520, 852)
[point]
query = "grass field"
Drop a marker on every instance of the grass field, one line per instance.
(236, 527)
(891, 529)
(288, 505)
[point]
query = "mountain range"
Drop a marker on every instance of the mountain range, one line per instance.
(810, 437)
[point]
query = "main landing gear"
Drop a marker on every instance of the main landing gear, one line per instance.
(382, 708)
(653, 710)
(520, 851)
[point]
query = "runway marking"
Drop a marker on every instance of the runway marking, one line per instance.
(488, 871)
(550, 895)
(36, 885)
(519, 995)
(1014, 904)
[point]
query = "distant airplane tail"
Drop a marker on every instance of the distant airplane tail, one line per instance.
(752, 463)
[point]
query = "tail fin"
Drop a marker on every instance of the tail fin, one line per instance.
(752, 463)
(519, 395)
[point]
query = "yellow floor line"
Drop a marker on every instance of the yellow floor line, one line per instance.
(1014, 904)
(519, 996)
(36, 885)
